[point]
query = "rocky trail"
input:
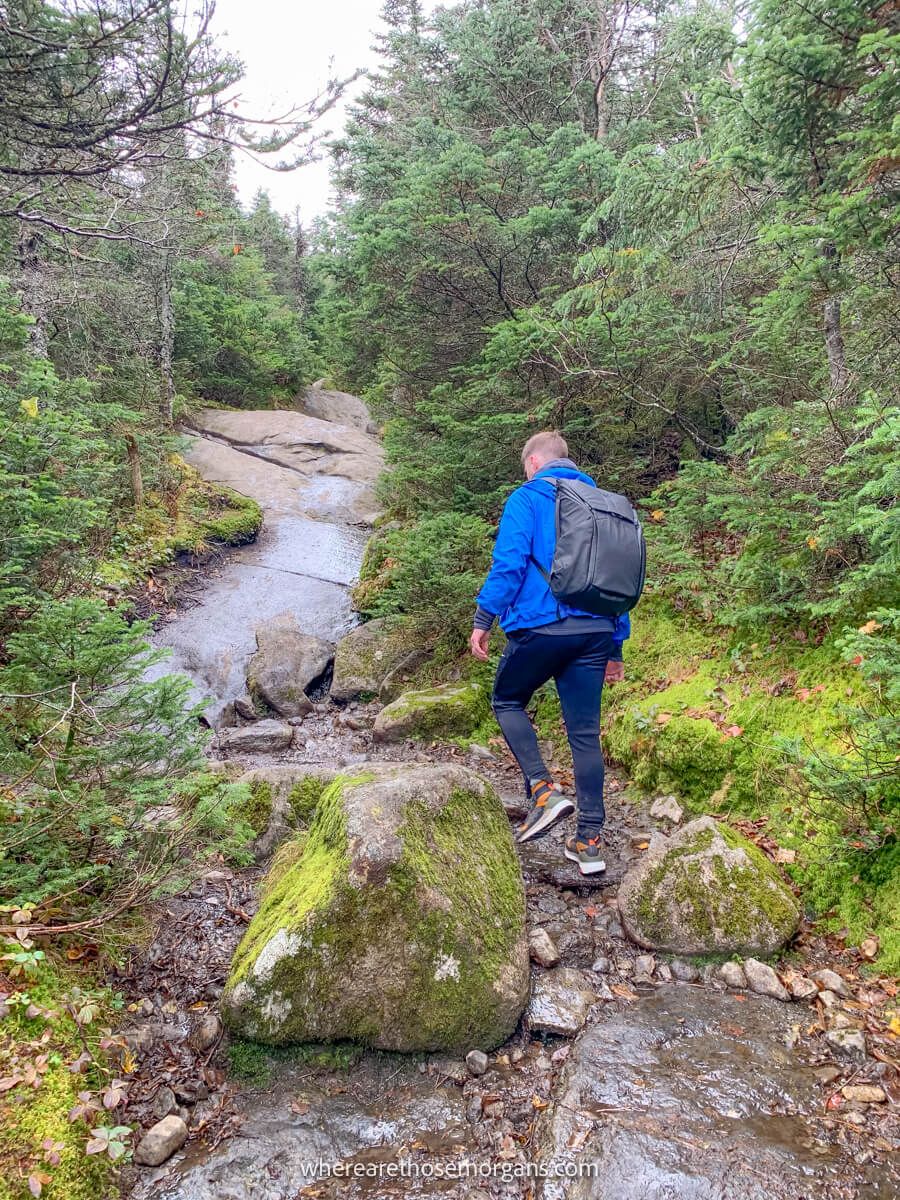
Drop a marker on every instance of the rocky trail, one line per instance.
(671, 1079)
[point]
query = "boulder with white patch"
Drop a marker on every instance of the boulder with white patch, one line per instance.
(401, 925)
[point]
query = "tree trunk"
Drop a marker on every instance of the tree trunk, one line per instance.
(834, 337)
(166, 347)
(33, 289)
(134, 466)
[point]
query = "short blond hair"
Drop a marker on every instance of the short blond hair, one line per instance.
(547, 445)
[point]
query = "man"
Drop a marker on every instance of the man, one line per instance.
(548, 640)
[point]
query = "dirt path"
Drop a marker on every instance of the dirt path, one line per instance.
(672, 1089)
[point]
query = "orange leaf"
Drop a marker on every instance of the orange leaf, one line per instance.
(732, 731)
(869, 627)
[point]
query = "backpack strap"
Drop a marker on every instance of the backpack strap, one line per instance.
(552, 480)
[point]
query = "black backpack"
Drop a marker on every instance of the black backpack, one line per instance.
(601, 557)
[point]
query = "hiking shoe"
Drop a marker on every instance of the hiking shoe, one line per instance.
(585, 852)
(550, 806)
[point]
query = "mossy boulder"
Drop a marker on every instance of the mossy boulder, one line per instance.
(450, 710)
(401, 925)
(368, 654)
(707, 890)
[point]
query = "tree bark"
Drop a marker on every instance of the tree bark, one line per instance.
(33, 289)
(134, 466)
(834, 337)
(166, 347)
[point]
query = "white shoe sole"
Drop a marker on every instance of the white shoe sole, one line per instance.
(593, 868)
(550, 817)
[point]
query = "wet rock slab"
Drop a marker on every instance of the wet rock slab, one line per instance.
(385, 1104)
(689, 1095)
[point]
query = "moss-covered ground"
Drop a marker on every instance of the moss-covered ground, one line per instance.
(193, 517)
(40, 1041)
(717, 720)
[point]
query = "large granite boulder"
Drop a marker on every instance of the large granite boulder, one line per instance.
(340, 407)
(449, 710)
(401, 925)
(707, 890)
(286, 662)
(366, 657)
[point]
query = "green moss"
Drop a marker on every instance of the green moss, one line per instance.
(686, 683)
(426, 907)
(258, 809)
(29, 1115)
(439, 712)
(738, 902)
(286, 856)
(193, 517)
(305, 795)
(43, 1113)
(255, 1064)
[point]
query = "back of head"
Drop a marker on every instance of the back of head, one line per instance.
(546, 446)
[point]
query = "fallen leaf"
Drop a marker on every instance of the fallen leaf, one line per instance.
(869, 627)
(300, 1107)
(783, 855)
(538, 1103)
(663, 718)
(625, 993)
(732, 731)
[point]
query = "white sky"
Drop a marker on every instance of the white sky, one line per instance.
(286, 47)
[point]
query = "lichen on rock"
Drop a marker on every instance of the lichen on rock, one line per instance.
(367, 655)
(445, 711)
(375, 934)
(707, 890)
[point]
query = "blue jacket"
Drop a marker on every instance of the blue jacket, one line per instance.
(515, 591)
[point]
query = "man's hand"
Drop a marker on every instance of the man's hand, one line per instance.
(615, 671)
(478, 643)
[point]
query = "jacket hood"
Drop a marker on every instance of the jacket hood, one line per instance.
(561, 468)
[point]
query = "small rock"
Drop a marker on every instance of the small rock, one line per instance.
(245, 708)
(601, 965)
(493, 1110)
(854, 1118)
(542, 947)
(560, 1001)
(452, 1069)
(161, 1141)
(733, 974)
(473, 1110)
(477, 1062)
(542, 1062)
(516, 1054)
(827, 1074)
(164, 1102)
(864, 1093)
(482, 752)
(802, 988)
(639, 838)
(838, 1019)
(832, 982)
(191, 1091)
(644, 966)
(603, 992)
(829, 999)
(869, 947)
(851, 1042)
(207, 1033)
(667, 808)
(664, 972)
(624, 966)
(261, 737)
(683, 971)
(615, 930)
(763, 980)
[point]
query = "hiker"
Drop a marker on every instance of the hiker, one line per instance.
(548, 638)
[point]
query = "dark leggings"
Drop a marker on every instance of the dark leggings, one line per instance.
(577, 663)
